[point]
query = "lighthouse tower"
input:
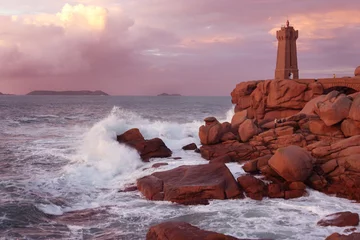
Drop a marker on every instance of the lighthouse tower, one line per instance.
(286, 63)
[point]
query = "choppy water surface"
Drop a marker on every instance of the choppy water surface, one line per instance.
(61, 169)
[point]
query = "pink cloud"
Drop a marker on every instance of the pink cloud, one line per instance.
(201, 47)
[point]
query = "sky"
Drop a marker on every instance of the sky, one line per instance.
(190, 47)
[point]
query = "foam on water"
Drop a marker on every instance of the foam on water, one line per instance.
(101, 157)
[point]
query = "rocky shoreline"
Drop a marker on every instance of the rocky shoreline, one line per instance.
(289, 135)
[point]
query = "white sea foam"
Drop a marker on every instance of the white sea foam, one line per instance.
(101, 158)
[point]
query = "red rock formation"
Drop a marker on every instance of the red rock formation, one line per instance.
(334, 108)
(183, 231)
(273, 115)
(341, 219)
(253, 187)
(190, 184)
(235, 150)
(147, 148)
(247, 130)
(274, 98)
(337, 236)
(212, 132)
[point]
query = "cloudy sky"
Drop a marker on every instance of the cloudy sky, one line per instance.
(145, 47)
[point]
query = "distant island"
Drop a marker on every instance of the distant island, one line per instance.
(166, 94)
(67, 93)
(5, 94)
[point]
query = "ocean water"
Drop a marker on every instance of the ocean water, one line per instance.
(61, 171)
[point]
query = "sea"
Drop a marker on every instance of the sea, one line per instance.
(62, 172)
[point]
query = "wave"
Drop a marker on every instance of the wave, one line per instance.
(100, 157)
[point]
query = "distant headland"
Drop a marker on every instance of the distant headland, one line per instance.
(5, 94)
(167, 95)
(68, 93)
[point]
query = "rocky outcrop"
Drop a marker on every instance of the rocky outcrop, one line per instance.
(341, 219)
(190, 184)
(154, 148)
(318, 146)
(183, 231)
(212, 132)
(337, 236)
(272, 99)
(339, 166)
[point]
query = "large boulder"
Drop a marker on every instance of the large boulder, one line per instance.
(334, 108)
(247, 130)
(341, 219)
(238, 119)
(183, 231)
(211, 132)
(292, 163)
(190, 184)
(153, 148)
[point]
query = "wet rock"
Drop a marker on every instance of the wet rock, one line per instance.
(297, 186)
(182, 231)
(255, 165)
(129, 189)
(253, 187)
(157, 165)
(221, 159)
(294, 194)
(341, 219)
(153, 148)
(275, 190)
(292, 163)
(337, 236)
(189, 147)
(190, 184)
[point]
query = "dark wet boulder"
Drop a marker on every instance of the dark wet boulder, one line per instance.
(337, 236)
(190, 184)
(189, 147)
(253, 187)
(153, 148)
(341, 219)
(157, 165)
(183, 231)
